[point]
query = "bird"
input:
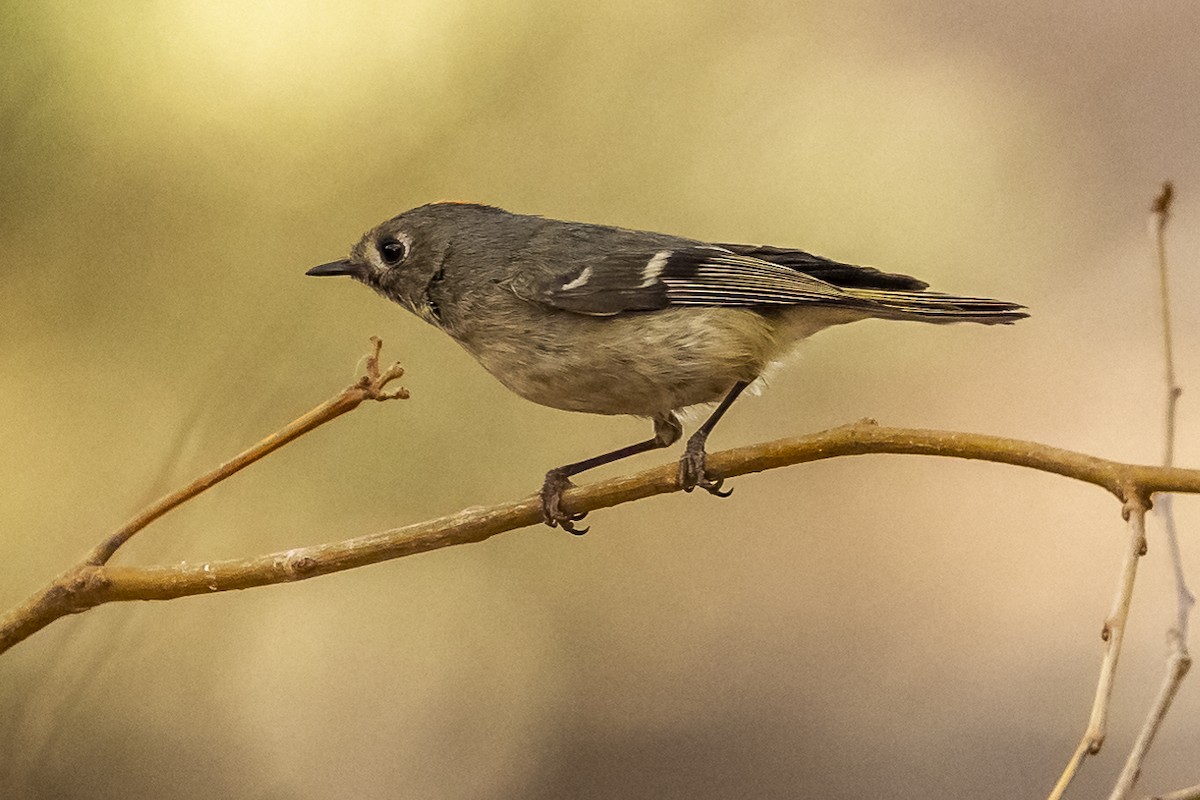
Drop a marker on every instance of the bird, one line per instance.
(609, 320)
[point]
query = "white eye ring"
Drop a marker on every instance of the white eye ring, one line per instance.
(392, 251)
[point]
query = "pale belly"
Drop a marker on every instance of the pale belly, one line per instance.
(640, 364)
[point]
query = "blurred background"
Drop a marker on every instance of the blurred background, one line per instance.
(879, 626)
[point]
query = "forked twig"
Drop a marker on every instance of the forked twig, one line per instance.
(371, 386)
(75, 590)
(1179, 661)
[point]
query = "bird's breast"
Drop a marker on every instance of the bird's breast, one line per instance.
(632, 363)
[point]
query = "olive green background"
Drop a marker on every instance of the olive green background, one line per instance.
(878, 626)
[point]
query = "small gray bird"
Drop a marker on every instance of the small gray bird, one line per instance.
(613, 321)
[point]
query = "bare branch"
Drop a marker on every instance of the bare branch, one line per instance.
(369, 387)
(1190, 793)
(1161, 215)
(1184, 598)
(89, 585)
(1179, 661)
(1177, 668)
(1113, 634)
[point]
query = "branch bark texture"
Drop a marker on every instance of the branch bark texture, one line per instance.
(89, 584)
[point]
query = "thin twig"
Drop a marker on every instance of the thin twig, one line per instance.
(1159, 217)
(1113, 634)
(1177, 668)
(1179, 660)
(1190, 793)
(89, 585)
(1166, 509)
(369, 387)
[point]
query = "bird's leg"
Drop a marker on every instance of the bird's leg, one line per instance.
(667, 431)
(691, 466)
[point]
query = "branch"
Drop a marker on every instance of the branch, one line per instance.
(89, 585)
(1113, 634)
(63, 595)
(1180, 660)
(1190, 793)
(369, 387)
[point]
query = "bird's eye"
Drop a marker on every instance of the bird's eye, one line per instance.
(392, 251)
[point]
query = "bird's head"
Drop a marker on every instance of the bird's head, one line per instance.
(402, 257)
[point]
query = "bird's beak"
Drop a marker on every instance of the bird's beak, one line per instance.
(343, 267)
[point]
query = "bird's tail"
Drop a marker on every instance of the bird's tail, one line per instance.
(937, 307)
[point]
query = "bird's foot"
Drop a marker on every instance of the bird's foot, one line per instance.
(552, 490)
(691, 470)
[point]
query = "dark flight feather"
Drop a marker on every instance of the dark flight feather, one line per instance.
(760, 276)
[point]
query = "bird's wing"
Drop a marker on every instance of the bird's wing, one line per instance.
(835, 272)
(691, 275)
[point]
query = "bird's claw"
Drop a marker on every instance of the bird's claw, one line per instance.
(552, 513)
(714, 487)
(692, 473)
